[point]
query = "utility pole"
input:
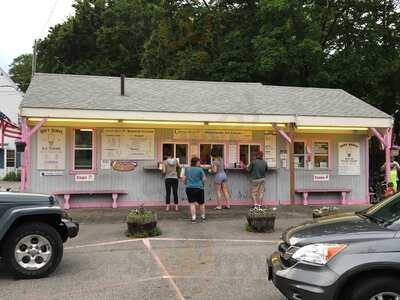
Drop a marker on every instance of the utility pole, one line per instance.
(292, 174)
(34, 57)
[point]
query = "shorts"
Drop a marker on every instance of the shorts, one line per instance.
(220, 178)
(195, 195)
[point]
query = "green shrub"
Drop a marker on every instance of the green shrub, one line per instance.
(145, 233)
(12, 176)
(141, 215)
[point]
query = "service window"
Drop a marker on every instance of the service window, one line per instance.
(205, 152)
(10, 158)
(180, 151)
(321, 155)
(83, 149)
(300, 152)
(247, 153)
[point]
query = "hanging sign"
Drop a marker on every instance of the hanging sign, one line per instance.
(349, 158)
(270, 150)
(321, 177)
(123, 165)
(84, 177)
(51, 148)
(213, 135)
(127, 144)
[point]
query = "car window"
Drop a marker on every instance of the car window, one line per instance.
(388, 210)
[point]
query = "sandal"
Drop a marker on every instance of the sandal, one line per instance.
(218, 208)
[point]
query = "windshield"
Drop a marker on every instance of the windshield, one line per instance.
(387, 211)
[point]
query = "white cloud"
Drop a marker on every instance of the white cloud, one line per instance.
(22, 21)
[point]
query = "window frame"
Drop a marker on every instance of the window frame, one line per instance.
(15, 158)
(161, 155)
(249, 150)
(329, 154)
(298, 155)
(93, 170)
(223, 144)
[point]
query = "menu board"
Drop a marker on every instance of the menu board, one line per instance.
(51, 148)
(349, 158)
(270, 150)
(127, 144)
(213, 135)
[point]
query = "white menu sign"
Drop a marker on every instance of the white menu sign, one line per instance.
(349, 158)
(270, 150)
(127, 144)
(51, 148)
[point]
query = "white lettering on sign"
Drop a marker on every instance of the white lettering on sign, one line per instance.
(213, 135)
(270, 150)
(321, 177)
(84, 177)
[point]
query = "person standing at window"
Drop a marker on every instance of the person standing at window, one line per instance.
(194, 179)
(220, 180)
(169, 168)
(258, 169)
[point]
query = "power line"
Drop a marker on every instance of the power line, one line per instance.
(49, 17)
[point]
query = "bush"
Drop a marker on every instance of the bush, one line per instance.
(12, 176)
(141, 216)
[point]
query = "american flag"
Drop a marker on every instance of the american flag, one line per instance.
(8, 128)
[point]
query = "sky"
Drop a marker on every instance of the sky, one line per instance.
(23, 21)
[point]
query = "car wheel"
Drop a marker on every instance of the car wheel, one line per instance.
(375, 288)
(33, 250)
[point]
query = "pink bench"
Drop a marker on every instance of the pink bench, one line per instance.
(305, 192)
(67, 195)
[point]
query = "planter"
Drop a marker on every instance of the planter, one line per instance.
(325, 212)
(142, 223)
(261, 224)
(20, 146)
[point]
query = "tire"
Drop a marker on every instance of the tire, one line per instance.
(39, 262)
(370, 287)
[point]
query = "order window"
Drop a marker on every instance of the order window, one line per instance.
(300, 152)
(247, 153)
(205, 152)
(321, 155)
(179, 151)
(83, 149)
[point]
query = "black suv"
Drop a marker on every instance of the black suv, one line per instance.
(33, 229)
(345, 257)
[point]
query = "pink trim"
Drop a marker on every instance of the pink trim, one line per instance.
(378, 135)
(37, 126)
(282, 133)
(158, 203)
(388, 144)
(367, 169)
(72, 151)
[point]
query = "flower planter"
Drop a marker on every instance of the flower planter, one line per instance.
(261, 219)
(20, 146)
(142, 223)
(325, 212)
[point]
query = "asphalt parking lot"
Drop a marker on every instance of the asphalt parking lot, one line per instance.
(213, 260)
(218, 259)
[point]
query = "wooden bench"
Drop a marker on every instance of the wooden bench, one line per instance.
(67, 195)
(306, 191)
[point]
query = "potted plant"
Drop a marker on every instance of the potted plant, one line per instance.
(261, 219)
(324, 211)
(142, 223)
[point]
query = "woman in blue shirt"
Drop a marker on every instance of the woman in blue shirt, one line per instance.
(194, 179)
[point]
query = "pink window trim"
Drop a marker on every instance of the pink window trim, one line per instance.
(72, 151)
(306, 145)
(330, 156)
(262, 148)
(215, 143)
(160, 147)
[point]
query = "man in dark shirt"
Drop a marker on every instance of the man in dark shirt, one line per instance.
(258, 169)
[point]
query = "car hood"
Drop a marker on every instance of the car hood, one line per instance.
(25, 198)
(337, 228)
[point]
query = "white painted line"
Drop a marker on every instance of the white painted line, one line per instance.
(172, 240)
(147, 244)
(103, 244)
(216, 240)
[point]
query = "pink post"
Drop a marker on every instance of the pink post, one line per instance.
(305, 198)
(388, 146)
(66, 201)
(344, 197)
(114, 198)
(24, 163)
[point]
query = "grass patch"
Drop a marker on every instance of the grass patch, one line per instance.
(144, 234)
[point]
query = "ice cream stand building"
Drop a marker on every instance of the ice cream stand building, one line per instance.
(96, 141)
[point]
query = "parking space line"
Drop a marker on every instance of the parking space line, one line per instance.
(172, 240)
(164, 270)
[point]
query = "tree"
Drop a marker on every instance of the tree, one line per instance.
(21, 71)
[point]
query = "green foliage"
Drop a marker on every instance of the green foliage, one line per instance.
(145, 233)
(12, 176)
(141, 216)
(21, 71)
